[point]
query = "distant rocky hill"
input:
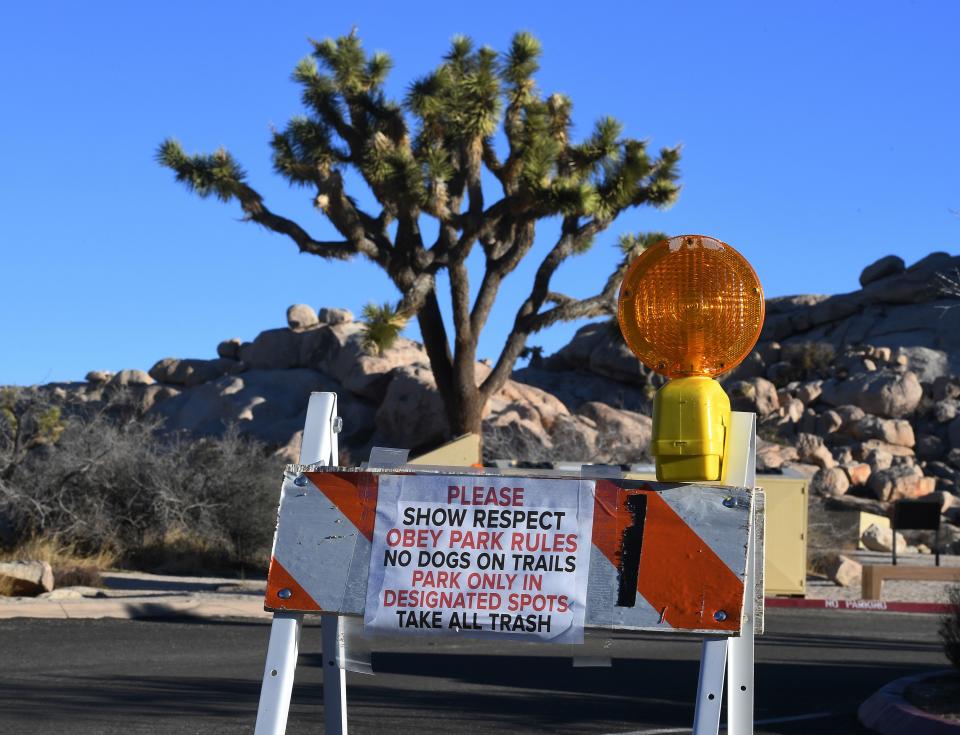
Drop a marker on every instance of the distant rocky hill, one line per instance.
(859, 391)
(262, 387)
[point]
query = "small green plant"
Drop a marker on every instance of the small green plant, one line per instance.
(950, 628)
(382, 325)
(534, 355)
(817, 356)
(26, 423)
(631, 245)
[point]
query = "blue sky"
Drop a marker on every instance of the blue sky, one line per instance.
(817, 137)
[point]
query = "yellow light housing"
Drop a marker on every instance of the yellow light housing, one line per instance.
(691, 307)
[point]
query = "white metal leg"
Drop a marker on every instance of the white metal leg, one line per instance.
(740, 659)
(740, 650)
(713, 662)
(334, 677)
(278, 674)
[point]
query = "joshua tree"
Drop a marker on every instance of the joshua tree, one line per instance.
(424, 158)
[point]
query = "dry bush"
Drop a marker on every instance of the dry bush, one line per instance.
(810, 359)
(511, 441)
(70, 566)
(235, 492)
(80, 575)
(58, 552)
(112, 484)
(568, 444)
(182, 552)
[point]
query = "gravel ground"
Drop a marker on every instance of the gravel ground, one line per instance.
(899, 590)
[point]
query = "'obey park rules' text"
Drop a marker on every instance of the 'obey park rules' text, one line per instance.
(498, 555)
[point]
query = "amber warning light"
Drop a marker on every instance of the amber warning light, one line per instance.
(691, 307)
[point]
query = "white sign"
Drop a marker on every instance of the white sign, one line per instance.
(481, 555)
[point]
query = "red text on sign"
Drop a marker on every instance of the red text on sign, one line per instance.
(410, 538)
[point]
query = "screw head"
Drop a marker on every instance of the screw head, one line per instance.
(285, 594)
(720, 616)
(301, 481)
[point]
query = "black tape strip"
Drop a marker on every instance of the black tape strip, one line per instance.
(631, 547)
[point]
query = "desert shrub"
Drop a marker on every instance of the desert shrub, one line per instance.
(181, 551)
(516, 442)
(104, 483)
(513, 441)
(770, 432)
(950, 628)
(534, 354)
(810, 359)
(818, 356)
(567, 444)
(85, 575)
(235, 493)
(70, 565)
(110, 481)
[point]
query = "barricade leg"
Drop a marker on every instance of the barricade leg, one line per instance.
(278, 674)
(713, 661)
(741, 471)
(334, 677)
(740, 685)
(319, 445)
(740, 657)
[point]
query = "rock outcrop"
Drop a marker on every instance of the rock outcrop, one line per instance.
(896, 308)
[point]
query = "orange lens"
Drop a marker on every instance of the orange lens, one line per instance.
(691, 305)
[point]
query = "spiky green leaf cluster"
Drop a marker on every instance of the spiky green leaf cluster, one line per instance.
(303, 150)
(631, 245)
(460, 100)
(215, 174)
(382, 324)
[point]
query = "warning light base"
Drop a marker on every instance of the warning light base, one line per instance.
(690, 420)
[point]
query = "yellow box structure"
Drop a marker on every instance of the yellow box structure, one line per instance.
(785, 566)
(464, 451)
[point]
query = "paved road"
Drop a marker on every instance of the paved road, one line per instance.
(121, 676)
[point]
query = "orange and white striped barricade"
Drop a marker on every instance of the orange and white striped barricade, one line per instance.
(531, 555)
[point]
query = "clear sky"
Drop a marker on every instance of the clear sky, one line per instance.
(817, 137)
